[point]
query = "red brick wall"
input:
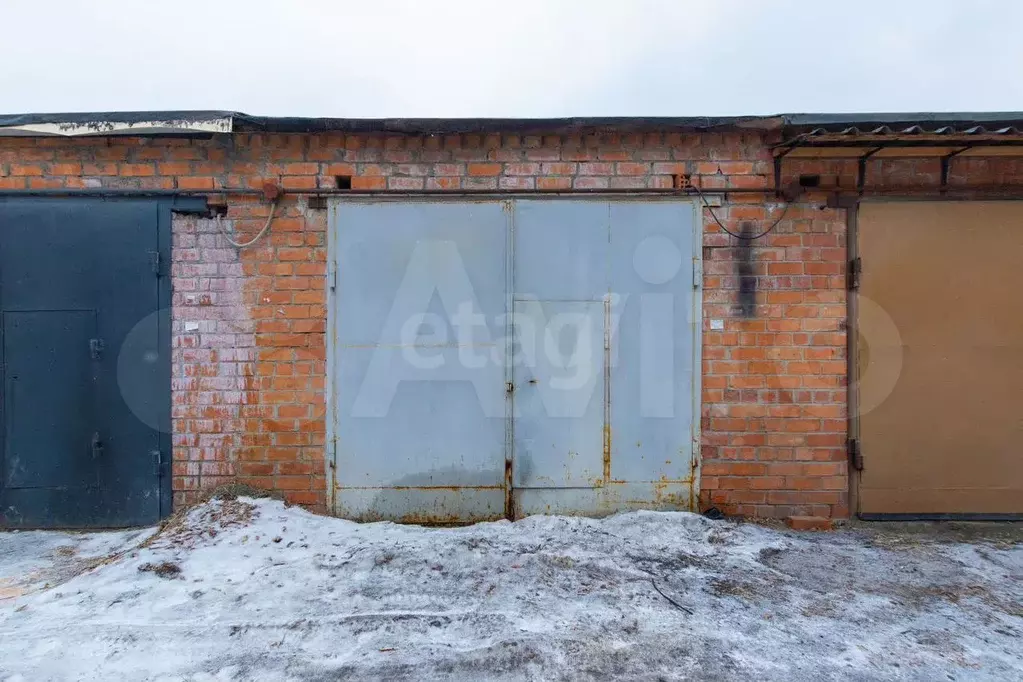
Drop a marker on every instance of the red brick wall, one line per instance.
(249, 341)
(249, 353)
(774, 395)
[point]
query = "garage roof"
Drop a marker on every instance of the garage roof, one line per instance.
(879, 136)
(831, 136)
(193, 122)
(967, 139)
(803, 126)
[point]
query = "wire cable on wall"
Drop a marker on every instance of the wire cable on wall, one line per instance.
(713, 215)
(259, 235)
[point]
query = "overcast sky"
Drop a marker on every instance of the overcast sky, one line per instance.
(406, 58)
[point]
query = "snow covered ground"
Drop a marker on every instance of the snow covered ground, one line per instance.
(250, 589)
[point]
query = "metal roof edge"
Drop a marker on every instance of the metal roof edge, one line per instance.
(441, 126)
(906, 119)
(165, 122)
(116, 123)
(215, 121)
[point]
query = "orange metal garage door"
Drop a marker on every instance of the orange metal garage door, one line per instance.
(940, 358)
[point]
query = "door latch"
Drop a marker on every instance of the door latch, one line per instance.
(157, 462)
(97, 446)
(853, 273)
(96, 347)
(855, 454)
(155, 261)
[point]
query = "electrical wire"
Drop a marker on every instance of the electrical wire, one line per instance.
(703, 198)
(259, 235)
(670, 600)
(740, 236)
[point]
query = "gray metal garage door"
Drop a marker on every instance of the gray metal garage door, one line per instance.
(84, 362)
(509, 357)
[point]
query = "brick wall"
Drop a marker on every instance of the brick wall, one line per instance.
(249, 343)
(249, 353)
(774, 399)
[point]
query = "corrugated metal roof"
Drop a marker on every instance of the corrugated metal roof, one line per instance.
(884, 130)
(994, 136)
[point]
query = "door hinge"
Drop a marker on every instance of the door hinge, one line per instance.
(96, 347)
(697, 273)
(855, 454)
(852, 274)
(155, 262)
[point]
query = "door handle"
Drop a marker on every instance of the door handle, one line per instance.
(96, 348)
(97, 446)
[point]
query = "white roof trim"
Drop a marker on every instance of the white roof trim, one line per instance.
(75, 129)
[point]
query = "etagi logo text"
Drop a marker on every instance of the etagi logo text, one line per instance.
(559, 350)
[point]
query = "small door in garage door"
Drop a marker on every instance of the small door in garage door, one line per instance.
(940, 358)
(85, 362)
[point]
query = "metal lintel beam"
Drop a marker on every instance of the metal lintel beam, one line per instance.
(967, 191)
(890, 144)
(317, 192)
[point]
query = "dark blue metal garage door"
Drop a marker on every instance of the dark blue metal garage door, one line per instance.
(84, 337)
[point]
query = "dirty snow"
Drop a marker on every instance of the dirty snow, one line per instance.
(268, 592)
(31, 561)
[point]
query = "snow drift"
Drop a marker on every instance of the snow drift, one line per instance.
(250, 589)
